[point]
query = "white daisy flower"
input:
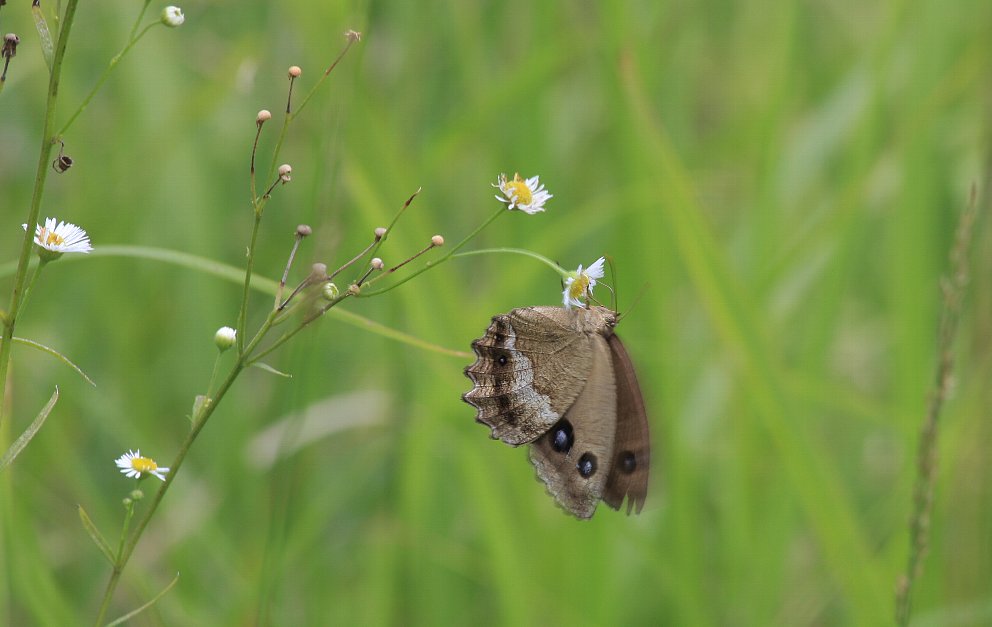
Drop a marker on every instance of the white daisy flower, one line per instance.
(56, 238)
(132, 464)
(579, 284)
(528, 195)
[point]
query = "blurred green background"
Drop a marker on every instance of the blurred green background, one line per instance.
(779, 181)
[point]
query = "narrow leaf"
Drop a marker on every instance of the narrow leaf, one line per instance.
(96, 535)
(47, 49)
(133, 613)
(266, 367)
(32, 429)
(51, 351)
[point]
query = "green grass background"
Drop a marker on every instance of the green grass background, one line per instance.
(778, 181)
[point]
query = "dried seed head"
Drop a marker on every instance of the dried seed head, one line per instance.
(10, 41)
(352, 35)
(62, 163)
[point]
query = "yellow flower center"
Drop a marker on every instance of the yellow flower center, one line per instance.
(518, 188)
(143, 464)
(50, 238)
(578, 286)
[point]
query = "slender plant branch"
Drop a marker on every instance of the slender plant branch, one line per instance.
(243, 310)
(517, 251)
(110, 68)
(200, 421)
(436, 262)
(953, 290)
(41, 174)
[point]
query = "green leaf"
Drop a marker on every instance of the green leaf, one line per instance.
(95, 534)
(266, 367)
(51, 351)
(29, 433)
(135, 612)
(47, 49)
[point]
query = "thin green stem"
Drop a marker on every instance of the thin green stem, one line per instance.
(199, 422)
(106, 72)
(282, 136)
(137, 22)
(243, 311)
(433, 264)
(41, 174)
(31, 282)
(289, 334)
(516, 251)
(351, 40)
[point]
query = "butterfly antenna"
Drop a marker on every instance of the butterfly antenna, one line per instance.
(637, 300)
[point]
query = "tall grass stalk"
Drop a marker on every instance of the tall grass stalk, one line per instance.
(953, 290)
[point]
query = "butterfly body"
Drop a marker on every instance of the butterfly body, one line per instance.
(561, 381)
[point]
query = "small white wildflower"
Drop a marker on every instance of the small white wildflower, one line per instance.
(527, 195)
(173, 16)
(132, 464)
(225, 337)
(579, 284)
(57, 238)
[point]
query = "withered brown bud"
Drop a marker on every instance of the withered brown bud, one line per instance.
(9, 50)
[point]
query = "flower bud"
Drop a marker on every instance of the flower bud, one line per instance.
(377, 263)
(303, 230)
(225, 338)
(380, 232)
(285, 172)
(330, 291)
(437, 240)
(295, 71)
(354, 290)
(263, 116)
(173, 16)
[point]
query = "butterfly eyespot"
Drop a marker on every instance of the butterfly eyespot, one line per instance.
(561, 436)
(628, 462)
(586, 465)
(502, 359)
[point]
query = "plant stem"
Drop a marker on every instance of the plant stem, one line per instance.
(199, 422)
(106, 72)
(953, 288)
(436, 262)
(41, 173)
(243, 311)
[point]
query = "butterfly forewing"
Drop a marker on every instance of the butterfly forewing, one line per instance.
(531, 366)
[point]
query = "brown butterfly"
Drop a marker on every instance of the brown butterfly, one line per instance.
(562, 381)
